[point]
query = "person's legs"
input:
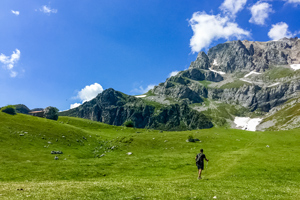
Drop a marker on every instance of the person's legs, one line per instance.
(199, 173)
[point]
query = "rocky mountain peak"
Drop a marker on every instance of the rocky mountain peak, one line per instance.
(111, 97)
(202, 62)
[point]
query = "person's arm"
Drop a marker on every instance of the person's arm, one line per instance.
(206, 159)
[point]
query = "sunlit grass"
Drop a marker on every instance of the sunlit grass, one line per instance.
(243, 165)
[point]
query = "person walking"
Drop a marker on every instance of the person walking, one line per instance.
(200, 162)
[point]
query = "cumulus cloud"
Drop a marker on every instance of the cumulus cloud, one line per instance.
(15, 12)
(47, 10)
(75, 105)
(87, 93)
(207, 28)
(10, 61)
(280, 30)
(142, 90)
(260, 12)
(233, 6)
(174, 73)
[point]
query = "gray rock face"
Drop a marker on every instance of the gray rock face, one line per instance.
(239, 55)
(202, 62)
(255, 97)
(232, 57)
(199, 75)
(123, 108)
(178, 92)
(182, 86)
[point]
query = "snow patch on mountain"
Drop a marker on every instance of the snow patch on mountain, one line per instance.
(219, 72)
(215, 63)
(253, 72)
(274, 84)
(246, 123)
(140, 96)
(295, 66)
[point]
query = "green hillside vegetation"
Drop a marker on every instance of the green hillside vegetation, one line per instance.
(205, 83)
(289, 115)
(277, 72)
(219, 113)
(234, 84)
(243, 165)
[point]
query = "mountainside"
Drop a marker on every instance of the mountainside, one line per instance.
(115, 108)
(237, 78)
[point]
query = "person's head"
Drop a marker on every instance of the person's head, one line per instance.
(201, 150)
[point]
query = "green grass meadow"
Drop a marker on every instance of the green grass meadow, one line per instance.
(243, 164)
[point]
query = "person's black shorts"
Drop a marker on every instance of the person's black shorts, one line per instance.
(200, 165)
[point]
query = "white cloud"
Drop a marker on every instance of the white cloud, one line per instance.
(260, 12)
(142, 90)
(87, 93)
(47, 10)
(75, 105)
(294, 1)
(280, 30)
(15, 12)
(10, 61)
(174, 73)
(207, 28)
(233, 6)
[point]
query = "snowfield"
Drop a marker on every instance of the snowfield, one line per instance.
(219, 72)
(246, 123)
(253, 72)
(274, 84)
(215, 63)
(140, 96)
(295, 66)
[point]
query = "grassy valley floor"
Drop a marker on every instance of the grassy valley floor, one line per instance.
(95, 163)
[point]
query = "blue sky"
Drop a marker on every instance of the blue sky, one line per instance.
(63, 52)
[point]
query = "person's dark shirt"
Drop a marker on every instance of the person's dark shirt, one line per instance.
(202, 157)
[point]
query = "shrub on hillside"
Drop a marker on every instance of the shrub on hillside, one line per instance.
(10, 109)
(129, 123)
(190, 138)
(51, 113)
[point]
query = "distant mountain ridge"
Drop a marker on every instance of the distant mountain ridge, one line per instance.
(115, 108)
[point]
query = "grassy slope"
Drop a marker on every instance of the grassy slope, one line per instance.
(241, 166)
(287, 117)
(235, 84)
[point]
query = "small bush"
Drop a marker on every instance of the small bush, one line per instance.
(10, 109)
(129, 123)
(51, 113)
(191, 138)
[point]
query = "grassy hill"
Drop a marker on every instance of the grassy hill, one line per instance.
(243, 165)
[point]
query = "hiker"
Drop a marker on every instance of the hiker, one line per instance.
(200, 163)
